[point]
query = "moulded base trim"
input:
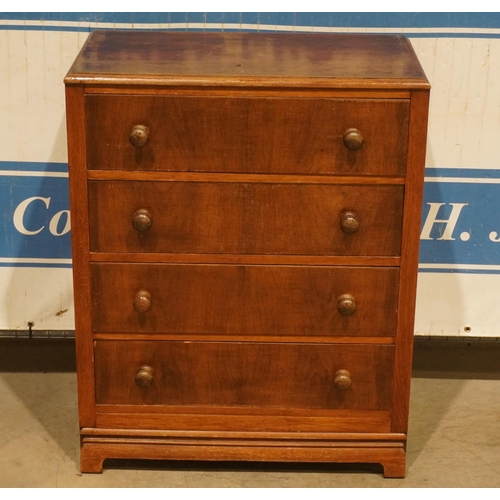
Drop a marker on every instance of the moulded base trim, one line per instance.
(390, 454)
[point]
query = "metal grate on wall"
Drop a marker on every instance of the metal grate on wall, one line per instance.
(37, 334)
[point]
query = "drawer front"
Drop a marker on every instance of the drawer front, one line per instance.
(245, 218)
(244, 299)
(220, 134)
(244, 374)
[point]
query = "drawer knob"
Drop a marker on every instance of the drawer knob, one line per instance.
(139, 135)
(349, 222)
(142, 301)
(142, 220)
(342, 380)
(346, 304)
(144, 376)
(353, 139)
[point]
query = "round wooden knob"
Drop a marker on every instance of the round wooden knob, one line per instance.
(139, 135)
(144, 376)
(353, 139)
(142, 220)
(142, 301)
(346, 304)
(342, 380)
(349, 222)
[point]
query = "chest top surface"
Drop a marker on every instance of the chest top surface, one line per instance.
(251, 59)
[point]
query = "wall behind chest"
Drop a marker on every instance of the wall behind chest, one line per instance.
(460, 243)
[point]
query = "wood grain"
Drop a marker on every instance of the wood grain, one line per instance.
(250, 300)
(284, 59)
(266, 426)
(269, 260)
(75, 123)
(380, 417)
(234, 218)
(244, 374)
(392, 457)
(156, 176)
(241, 168)
(192, 91)
(92, 433)
(246, 338)
(268, 135)
(409, 258)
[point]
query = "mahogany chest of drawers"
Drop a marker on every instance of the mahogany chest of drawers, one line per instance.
(245, 213)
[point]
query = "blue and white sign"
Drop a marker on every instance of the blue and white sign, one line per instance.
(460, 233)
(461, 221)
(36, 225)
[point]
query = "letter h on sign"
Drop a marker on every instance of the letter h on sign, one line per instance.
(450, 223)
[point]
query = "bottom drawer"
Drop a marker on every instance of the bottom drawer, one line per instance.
(286, 375)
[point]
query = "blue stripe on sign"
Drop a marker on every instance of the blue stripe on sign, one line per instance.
(461, 271)
(262, 28)
(35, 264)
(330, 19)
(460, 220)
(21, 27)
(466, 173)
(33, 166)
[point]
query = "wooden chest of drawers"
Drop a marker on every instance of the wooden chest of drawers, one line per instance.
(245, 214)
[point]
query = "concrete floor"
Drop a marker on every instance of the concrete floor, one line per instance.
(454, 436)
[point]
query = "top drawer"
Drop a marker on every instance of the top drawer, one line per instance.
(247, 134)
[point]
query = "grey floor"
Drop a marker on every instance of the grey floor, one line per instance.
(454, 436)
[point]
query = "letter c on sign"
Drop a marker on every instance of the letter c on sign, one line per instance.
(19, 215)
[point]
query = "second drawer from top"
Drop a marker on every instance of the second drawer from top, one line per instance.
(245, 218)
